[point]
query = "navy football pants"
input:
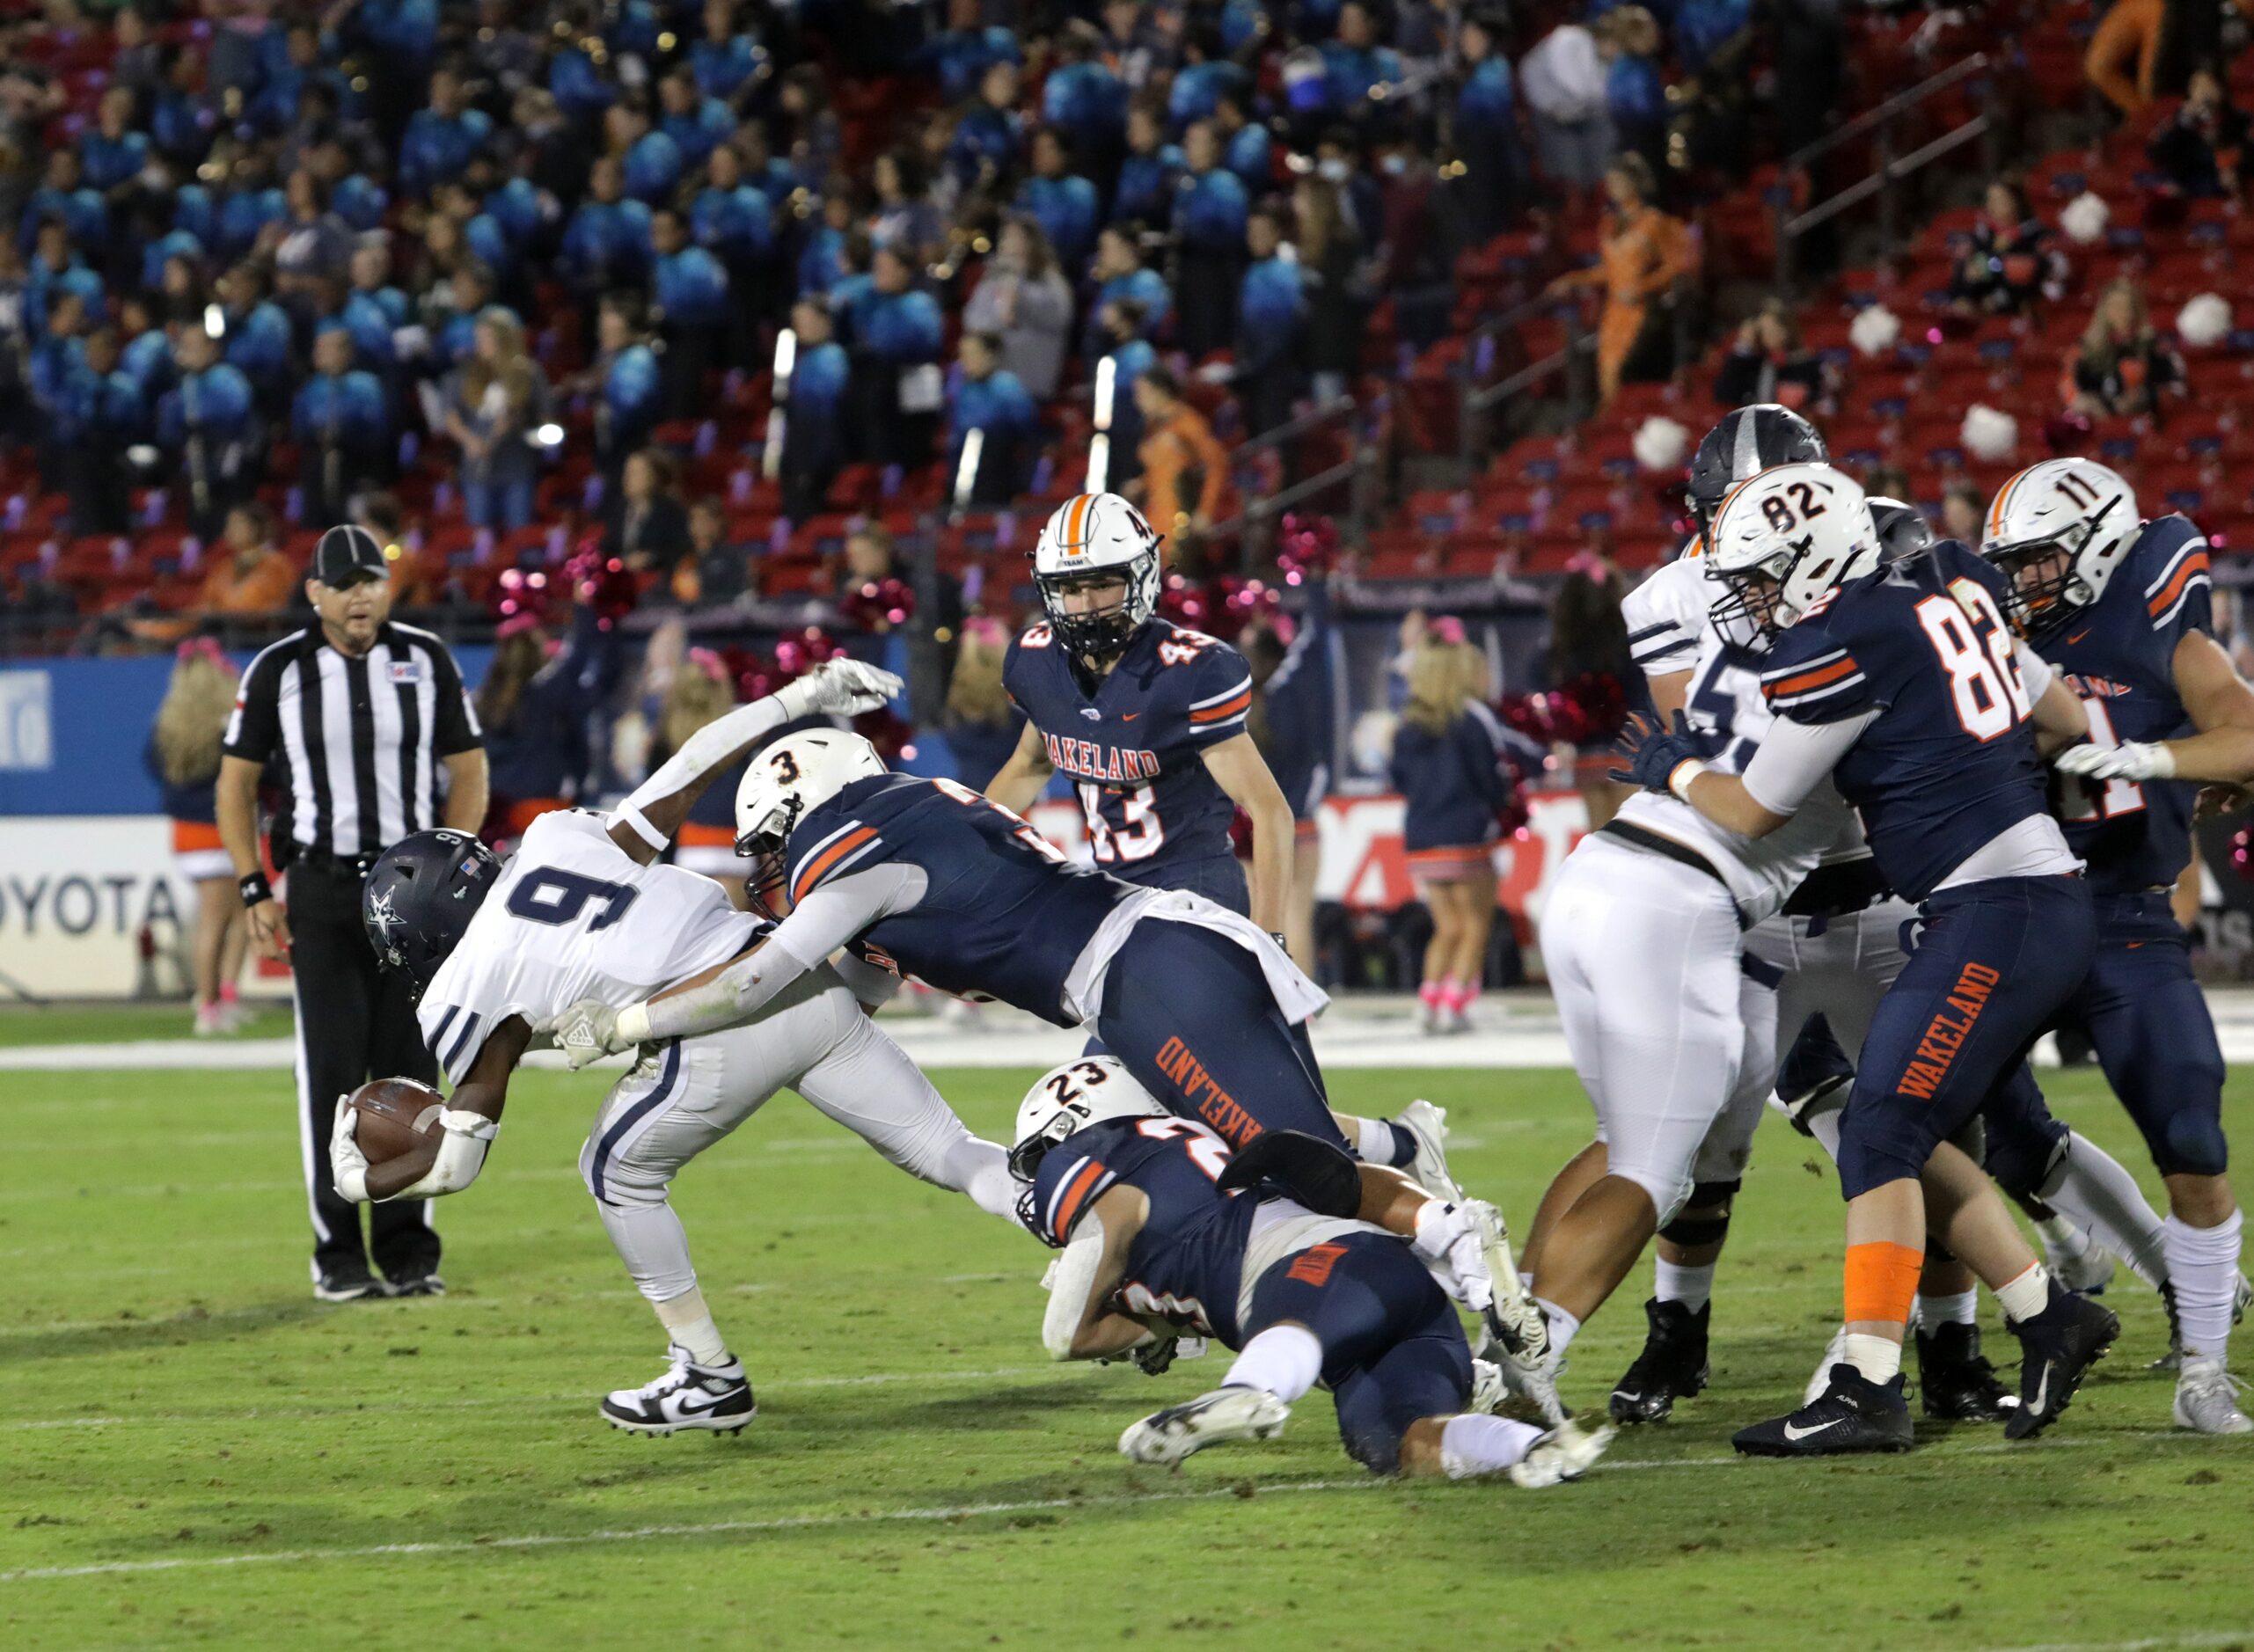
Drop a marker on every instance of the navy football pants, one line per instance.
(1392, 1349)
(1993, 963)
(1188, 1012)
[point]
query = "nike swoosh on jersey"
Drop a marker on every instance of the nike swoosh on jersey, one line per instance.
(1128, 716)
(1792, 1433)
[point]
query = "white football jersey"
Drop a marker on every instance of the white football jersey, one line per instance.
(573, 917)
(1668, 631)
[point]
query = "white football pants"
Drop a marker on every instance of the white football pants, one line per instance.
(813, 1038)
(1842, 973)
(1673, 1040)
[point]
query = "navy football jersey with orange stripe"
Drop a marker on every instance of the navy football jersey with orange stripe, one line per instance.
(2119, 655)
(1950, 762)
(1002, 916)
(1187, 1264)
(1134, 748)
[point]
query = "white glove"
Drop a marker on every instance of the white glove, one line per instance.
(347, 1164)
(1450, 1240)
(2131, 760)
(587, 1032)
(839, 688)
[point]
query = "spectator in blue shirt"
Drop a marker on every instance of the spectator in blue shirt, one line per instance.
(63, 197)
(652, 160)
(244, 214)
(1628, 44)
(984, 149)
(821, 260)
(1120, 337)
(493, 404)
(172, 245)
(342, 423)
(1486, 138)
(182, 122)
(1702, 26)
(56, 268)
(1084, 100)
(1247, 147)
(1147, 177)
(1355, 65)
(361, 201)
(100, 411)
(1272, 315)
(112, 153)
(441, 138)
(693, 310)
(1198, 83)
(1210, 211)
(146, 356)
(454, 306)
(987, 397)
(374, 310)
(1120, 276)
(961, 58)
(582, 91)
(606, 245)
(1062, 203)
(723, 60)
(257, 341)
(734, 219)
(904, 216)
(624, 380)
(813, 433)
(208, 425)
(696, 124)
(897, 335)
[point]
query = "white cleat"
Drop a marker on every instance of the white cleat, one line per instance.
(1566, 1452)
(1834, 1353)
(1429, 1170)
(717, 1399)
(2088, 1270)
(1220, 1418)
(1490, 1389)
(1533, 1382)
(2207, 1400)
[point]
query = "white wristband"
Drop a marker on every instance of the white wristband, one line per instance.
(2163, 760)
(635, 820)
(632, 1025)
(1680, 777)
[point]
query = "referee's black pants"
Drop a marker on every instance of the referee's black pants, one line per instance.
(354, 1023)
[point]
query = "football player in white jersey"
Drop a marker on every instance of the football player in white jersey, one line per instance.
(500, 956)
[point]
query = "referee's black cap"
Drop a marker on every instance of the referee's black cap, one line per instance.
(346, 555)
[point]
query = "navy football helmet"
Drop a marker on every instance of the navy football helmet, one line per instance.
(1747, 442)
(420, 897)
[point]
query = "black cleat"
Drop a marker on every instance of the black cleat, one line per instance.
(1956, 1383)
(1815, 1075)
(1853, 1414)
(1672, 1365)
(348, 1286)
(2057, 1348)
(688, 1397)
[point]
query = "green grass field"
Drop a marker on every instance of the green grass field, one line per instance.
(197, 1453)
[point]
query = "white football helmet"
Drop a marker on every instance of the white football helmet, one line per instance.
(1781, 541)
(1066, 1100)
(2057, 530)
(1098, 535)
(785, 783)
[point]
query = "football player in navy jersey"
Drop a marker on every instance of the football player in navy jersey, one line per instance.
(1148, 720)
(1164, 1236)
(2119, 607)
(1902, 683)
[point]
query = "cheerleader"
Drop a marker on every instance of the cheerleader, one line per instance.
(183, 755)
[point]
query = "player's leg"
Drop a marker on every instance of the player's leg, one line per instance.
(2156, 1041)
(867, 1083)
(402, 1234)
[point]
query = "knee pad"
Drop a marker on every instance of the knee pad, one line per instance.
(1691, 1230)
(2192, 1144)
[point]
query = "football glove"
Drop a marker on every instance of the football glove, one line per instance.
(1452, 1243)
(587, 1032)
(347, 1164)
(2131, 760)
(1654, 755)
(841, 687)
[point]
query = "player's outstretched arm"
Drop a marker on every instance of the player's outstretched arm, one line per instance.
(454, 1156)
(652, 816)
(1018, 784)
(1079, 1323)
(2221, 708)
(1237, 766)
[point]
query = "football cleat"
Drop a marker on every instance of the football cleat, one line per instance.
(1566, 1452)
(1427, 1126)
(1814, 1076)
(418, 1285)
(1956, 1383)
(1834, 1353)
(1853, 1413)
(714, 1398)
(2080, 1265)
(361, 1286)
(2057, 1348)
(1490, 1391)
(1220, 1418)
(1672, 1365)
(1532, 1382)
(2207, 1400)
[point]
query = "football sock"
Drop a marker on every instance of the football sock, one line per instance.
(2027, 1295)
(691, 1324)
(1284, 1360)
(1382, 1142)
(1881, 1283)
(2203, 1267)
(1877, 1357)
(982, 1170)
(2096, 1190)
(1564, 1327)
(1473, 1445)
(1690, 1286)
(1824, 1127)
(1962, 1308)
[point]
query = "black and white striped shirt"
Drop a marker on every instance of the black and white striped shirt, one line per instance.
(361, 740)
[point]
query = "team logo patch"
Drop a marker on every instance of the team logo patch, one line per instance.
(406, 671)
(1091, 714)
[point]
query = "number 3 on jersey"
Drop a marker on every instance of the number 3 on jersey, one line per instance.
(1977, 651)
(1140, 833)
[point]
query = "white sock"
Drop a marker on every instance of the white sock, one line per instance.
(2203, 1266)
(1960, 1307)
(1473, 1445)
(981, 1169)
(1283, 1359)
(1564, 1327)
(1675, 1281)
(1824, 1127)
(690, 1323)
(2096, 1190)
(2027, 1295)
(1877, 1358)
(1373, 1141)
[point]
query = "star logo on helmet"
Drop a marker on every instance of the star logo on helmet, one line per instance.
(380, 914)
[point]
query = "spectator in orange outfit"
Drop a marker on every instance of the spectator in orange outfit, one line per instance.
(253, 577)
(2121, 54)
(1185, 470)
(1642, 254)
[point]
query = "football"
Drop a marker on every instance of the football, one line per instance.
(396, 1116)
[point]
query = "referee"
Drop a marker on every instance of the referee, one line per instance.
(375, 740)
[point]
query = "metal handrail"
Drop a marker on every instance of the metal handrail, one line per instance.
(1471, 415)
(1870, 120)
